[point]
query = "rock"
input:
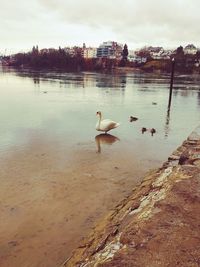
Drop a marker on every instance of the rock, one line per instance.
(173, 157)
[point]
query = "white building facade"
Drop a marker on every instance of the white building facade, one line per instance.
(90, 52)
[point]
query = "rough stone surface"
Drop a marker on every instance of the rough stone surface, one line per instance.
(158, 225)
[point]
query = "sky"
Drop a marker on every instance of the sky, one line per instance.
(54, 23)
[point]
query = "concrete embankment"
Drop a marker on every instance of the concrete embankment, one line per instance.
(158, 225)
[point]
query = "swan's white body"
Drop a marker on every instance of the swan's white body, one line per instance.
(105, 125)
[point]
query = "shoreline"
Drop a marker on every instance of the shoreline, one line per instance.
(157, 225)
(115, 70)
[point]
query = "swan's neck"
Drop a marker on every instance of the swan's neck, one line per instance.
(100, 118)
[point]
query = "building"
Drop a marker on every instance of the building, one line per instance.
(156, 52)
(131, 55)
(90, 52)
(140, 59)
(47, 50)
(74, 51)
(190, 49)
(166, 54)
(69, 51)
(110, 49)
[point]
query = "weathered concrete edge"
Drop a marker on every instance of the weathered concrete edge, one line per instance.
(104, 240)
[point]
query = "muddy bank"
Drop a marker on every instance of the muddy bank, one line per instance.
(158, 225)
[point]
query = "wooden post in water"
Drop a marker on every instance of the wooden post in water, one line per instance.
(171, 83)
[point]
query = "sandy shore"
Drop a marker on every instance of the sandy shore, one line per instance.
(50, 201)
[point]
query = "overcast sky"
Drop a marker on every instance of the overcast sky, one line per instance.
(53, 23)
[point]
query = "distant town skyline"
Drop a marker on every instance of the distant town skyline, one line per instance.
(54, 23)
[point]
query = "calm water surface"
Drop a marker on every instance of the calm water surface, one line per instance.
(58, 176)
(62, 106)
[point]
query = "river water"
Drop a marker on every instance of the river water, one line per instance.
(58, 175)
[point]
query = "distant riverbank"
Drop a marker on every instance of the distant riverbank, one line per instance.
(60, 60)
(150, 67)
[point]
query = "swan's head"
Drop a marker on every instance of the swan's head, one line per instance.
(98, 113)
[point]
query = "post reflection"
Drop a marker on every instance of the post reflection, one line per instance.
(36, 80)
(167, 121)
(106, 139)
(198, 97)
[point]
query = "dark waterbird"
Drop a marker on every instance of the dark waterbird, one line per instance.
(152, 131)
(131, 119)
(144, 129)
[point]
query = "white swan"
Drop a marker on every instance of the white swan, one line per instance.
(105, 125)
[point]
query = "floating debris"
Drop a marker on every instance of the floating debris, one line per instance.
(154, 103)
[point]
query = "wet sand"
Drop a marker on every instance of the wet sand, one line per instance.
(50, 198)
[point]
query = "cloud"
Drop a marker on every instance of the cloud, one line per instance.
(172, 21)
(61, 22)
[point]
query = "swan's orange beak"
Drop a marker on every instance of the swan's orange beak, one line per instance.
(97, 113)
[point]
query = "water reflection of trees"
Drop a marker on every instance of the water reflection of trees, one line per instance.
(198, 98)
(75, 79)
(64, 79)
(36, 80)
(111, 81)
(149, 78)
(184, 85)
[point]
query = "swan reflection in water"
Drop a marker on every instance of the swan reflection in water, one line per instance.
(107, 139)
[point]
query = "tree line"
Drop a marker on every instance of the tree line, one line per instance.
(60, 59)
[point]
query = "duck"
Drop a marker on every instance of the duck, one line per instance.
(106, 124)
(131, 119)
(153, 131)
(144, 129)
